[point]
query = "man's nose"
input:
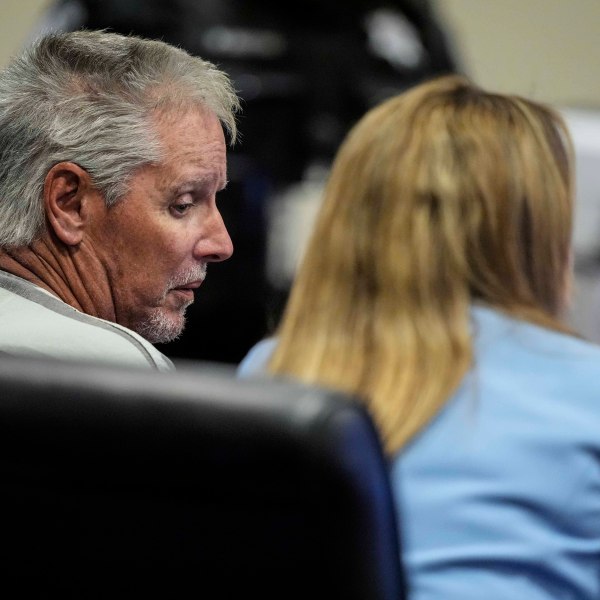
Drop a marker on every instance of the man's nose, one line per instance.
(215, 244)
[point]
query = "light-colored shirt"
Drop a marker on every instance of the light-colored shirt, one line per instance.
(33, 322)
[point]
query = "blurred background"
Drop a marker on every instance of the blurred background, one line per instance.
(306, 72)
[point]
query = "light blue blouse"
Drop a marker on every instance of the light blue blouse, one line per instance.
(499, 497)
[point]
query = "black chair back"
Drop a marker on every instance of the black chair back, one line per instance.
(126, 483)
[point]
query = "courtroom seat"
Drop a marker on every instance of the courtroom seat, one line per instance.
(125, 483)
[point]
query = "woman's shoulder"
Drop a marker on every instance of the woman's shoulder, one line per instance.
(493, 328)
(255, 362)
(524, 368)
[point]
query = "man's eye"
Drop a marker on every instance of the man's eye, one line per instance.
(181, 209)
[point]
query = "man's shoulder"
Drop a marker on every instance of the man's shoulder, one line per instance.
(33, 322)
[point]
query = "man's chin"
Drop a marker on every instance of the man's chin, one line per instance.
(161, 326)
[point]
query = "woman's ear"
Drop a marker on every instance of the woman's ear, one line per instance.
(67, 188)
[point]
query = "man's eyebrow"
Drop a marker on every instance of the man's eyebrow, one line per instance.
(196, 184)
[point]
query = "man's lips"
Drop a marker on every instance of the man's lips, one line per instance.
(187, 290)
(189, 286)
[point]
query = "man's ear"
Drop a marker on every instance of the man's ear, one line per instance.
(67, 191)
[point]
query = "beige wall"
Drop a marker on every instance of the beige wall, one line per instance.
(16, 20)
(547, 49)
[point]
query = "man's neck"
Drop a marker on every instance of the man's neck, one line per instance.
(63, 271)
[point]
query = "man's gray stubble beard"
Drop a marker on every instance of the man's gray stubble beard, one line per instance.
(158, 327)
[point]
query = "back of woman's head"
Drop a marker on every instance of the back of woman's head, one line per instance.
(448, 186)
(439, 197)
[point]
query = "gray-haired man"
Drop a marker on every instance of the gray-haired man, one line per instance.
(112, 153)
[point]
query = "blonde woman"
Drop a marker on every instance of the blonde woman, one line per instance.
(433, 287)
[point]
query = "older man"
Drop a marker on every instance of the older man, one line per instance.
(112, 153)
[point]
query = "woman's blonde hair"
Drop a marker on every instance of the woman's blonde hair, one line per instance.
(440, 197)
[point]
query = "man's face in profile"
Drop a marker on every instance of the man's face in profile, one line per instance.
(157, 241)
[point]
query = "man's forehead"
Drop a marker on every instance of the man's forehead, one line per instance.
(191, 138)
(170, 116)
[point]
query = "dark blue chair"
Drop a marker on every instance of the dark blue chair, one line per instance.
(122, 483)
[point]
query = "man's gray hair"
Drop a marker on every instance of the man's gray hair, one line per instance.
(86, 97)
